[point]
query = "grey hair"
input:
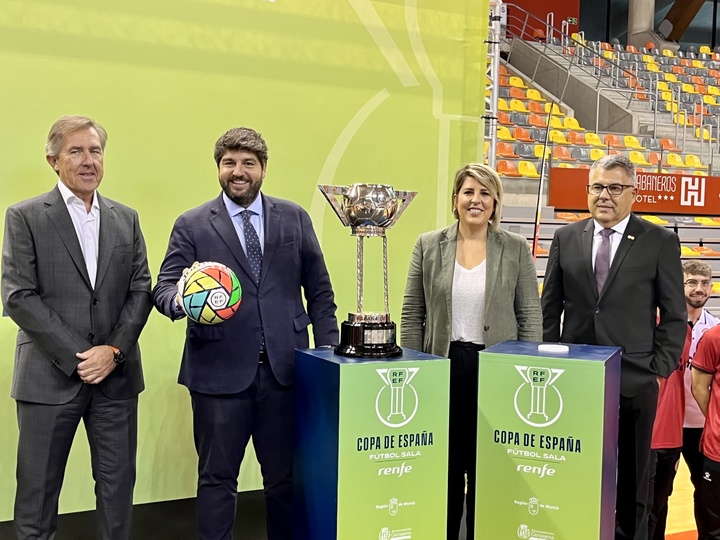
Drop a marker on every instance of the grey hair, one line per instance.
(615, 161)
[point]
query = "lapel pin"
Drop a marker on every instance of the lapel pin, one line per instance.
(631, 237)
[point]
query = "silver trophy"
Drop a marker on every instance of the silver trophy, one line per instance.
(368, 209)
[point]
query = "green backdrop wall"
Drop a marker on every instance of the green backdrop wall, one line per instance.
(343, 91)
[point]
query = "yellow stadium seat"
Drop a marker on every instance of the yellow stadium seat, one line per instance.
(686, 251)
(668, 52)
(638, 158)
(704, 49)
(700, 173)
(663, 86)
(558, 137)
(571, 122)
(503, 105)
(709, 100)
(670, 77)
(675, 160)
(716, 287)
(535, 95)
(518, 106)
(517, 82)
(655, 219)
(691, 160)
(698, 64)
(503, 133)
(632, 142)
(713, 90)
(652, 66)
(555, 109)
(688, 88)
(555, 122)
(648, 58)
(705, 134)
(593, 139)
(706, 221)
(597, 153)
(527, 168)
(538, 151)
(566, 166)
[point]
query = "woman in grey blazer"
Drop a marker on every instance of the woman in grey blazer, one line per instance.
(470, 285)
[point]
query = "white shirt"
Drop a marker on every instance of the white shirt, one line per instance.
(614, 238)
(468, 304)
(87, 227)
(693, 415)
(256, 218)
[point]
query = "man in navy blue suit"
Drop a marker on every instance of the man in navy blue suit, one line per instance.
(240, 372)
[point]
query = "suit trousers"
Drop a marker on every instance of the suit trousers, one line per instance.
(462, 439)
(637, 415)
(223, 425)
(46, 435)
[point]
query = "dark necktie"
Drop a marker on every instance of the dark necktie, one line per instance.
(252, 245)
(254, 255)
(602, 259)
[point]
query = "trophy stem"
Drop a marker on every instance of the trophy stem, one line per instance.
(360, 273)
(385, 276)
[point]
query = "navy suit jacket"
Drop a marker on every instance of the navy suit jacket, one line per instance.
(645, 280)
(223, 358)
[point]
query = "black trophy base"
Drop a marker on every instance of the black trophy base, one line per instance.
(368, 340)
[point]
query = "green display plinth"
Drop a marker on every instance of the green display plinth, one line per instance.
(371, 446)
(547, 442)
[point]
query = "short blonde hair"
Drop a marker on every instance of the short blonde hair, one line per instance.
(488, 179)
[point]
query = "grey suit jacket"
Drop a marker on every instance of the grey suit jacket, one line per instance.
(645, 280)
(512, 303)
(47, 292)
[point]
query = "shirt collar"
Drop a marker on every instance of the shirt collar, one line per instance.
(234, 209)
(69, 197)
(619, 228)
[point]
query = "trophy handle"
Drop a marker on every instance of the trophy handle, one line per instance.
(404, 198)
(331, 193)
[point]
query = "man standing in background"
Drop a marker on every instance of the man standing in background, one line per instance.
(679, 421)
(75, 279)
(240, 372)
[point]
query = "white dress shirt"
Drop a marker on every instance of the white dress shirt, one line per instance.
(87, 227)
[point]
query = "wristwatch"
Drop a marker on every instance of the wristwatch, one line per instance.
(119, 355)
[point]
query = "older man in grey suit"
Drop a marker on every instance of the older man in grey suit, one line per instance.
(76, 281)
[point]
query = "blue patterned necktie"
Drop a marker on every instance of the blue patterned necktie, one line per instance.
(602, 259)
(252, 245)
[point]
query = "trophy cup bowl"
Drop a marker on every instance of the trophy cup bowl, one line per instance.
(370, 205)
(368, 209)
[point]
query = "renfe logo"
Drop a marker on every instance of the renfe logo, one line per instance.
(534, 469)
(399, 471)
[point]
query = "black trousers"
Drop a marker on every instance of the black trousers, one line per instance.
(710, 500)
(661, 482)
(637, 415)
(462, 449)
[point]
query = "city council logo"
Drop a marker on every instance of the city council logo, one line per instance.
(533, 506)
(523, 531)
(397, 401)
(384, 534)
(534, 404)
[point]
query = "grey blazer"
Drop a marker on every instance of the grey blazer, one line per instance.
(512, 302)
(47, 292)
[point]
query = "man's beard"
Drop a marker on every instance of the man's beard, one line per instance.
(696, 301)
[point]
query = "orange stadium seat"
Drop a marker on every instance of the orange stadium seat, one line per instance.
(522, 134)
(562, 153)
(507, 168)
(577, 138)
(668, 144)
(613, 141)
(506, 150)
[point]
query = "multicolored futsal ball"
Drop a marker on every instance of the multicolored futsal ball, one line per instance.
(210, 293)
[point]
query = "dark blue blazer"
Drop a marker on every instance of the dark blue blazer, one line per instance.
(223, 358)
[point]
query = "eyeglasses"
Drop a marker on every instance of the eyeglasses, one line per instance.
(694, 283)
(613, 189)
